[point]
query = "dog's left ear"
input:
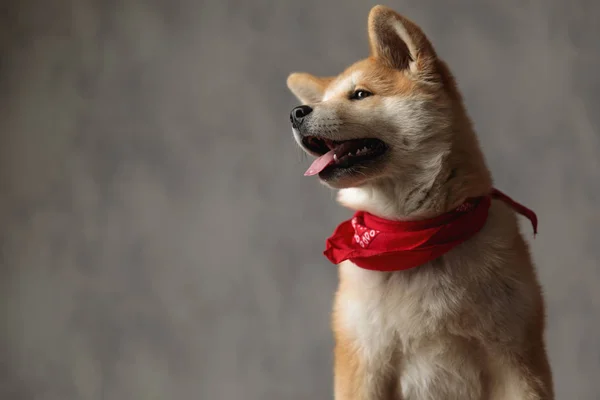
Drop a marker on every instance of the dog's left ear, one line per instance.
(308, 88)
(399, 43)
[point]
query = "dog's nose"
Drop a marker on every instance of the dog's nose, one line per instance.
(298, 114)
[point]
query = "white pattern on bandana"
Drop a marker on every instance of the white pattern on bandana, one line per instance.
(363, 235)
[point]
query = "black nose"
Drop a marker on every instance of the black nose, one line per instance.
(298, 114)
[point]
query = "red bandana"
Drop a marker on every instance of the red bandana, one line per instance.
(382, 245)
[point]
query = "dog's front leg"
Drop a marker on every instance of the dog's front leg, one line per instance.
(361, 376)
(524, 378)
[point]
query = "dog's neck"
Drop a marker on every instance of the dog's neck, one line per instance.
(430, 194)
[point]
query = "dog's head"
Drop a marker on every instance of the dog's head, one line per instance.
(389, 115)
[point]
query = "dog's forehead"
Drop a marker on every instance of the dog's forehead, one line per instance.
(343, 84)
(374, 76)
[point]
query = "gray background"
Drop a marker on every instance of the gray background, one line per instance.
(158, 238)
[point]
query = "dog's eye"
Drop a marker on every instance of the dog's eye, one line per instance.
(360, 94)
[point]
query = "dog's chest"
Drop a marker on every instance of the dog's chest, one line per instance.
(382, 311)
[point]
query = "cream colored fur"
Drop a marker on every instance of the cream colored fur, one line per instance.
(468, 325)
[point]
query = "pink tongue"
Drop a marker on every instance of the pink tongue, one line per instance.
(320, 163)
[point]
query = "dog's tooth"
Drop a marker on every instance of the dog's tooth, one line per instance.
(335, 158)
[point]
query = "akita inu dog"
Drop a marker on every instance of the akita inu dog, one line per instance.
(438, 297)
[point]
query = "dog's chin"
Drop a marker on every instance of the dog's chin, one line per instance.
(352, 176)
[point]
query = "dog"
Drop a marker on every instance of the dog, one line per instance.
(392, 135)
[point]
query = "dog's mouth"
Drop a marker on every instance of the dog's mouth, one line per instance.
(346, 154)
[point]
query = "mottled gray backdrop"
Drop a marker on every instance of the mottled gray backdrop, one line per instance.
(158, 238)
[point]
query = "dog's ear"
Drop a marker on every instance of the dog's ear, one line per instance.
(307, 88)
(399, 43)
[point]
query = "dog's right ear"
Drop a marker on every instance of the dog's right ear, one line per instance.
(399, 43)
(307, 88)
